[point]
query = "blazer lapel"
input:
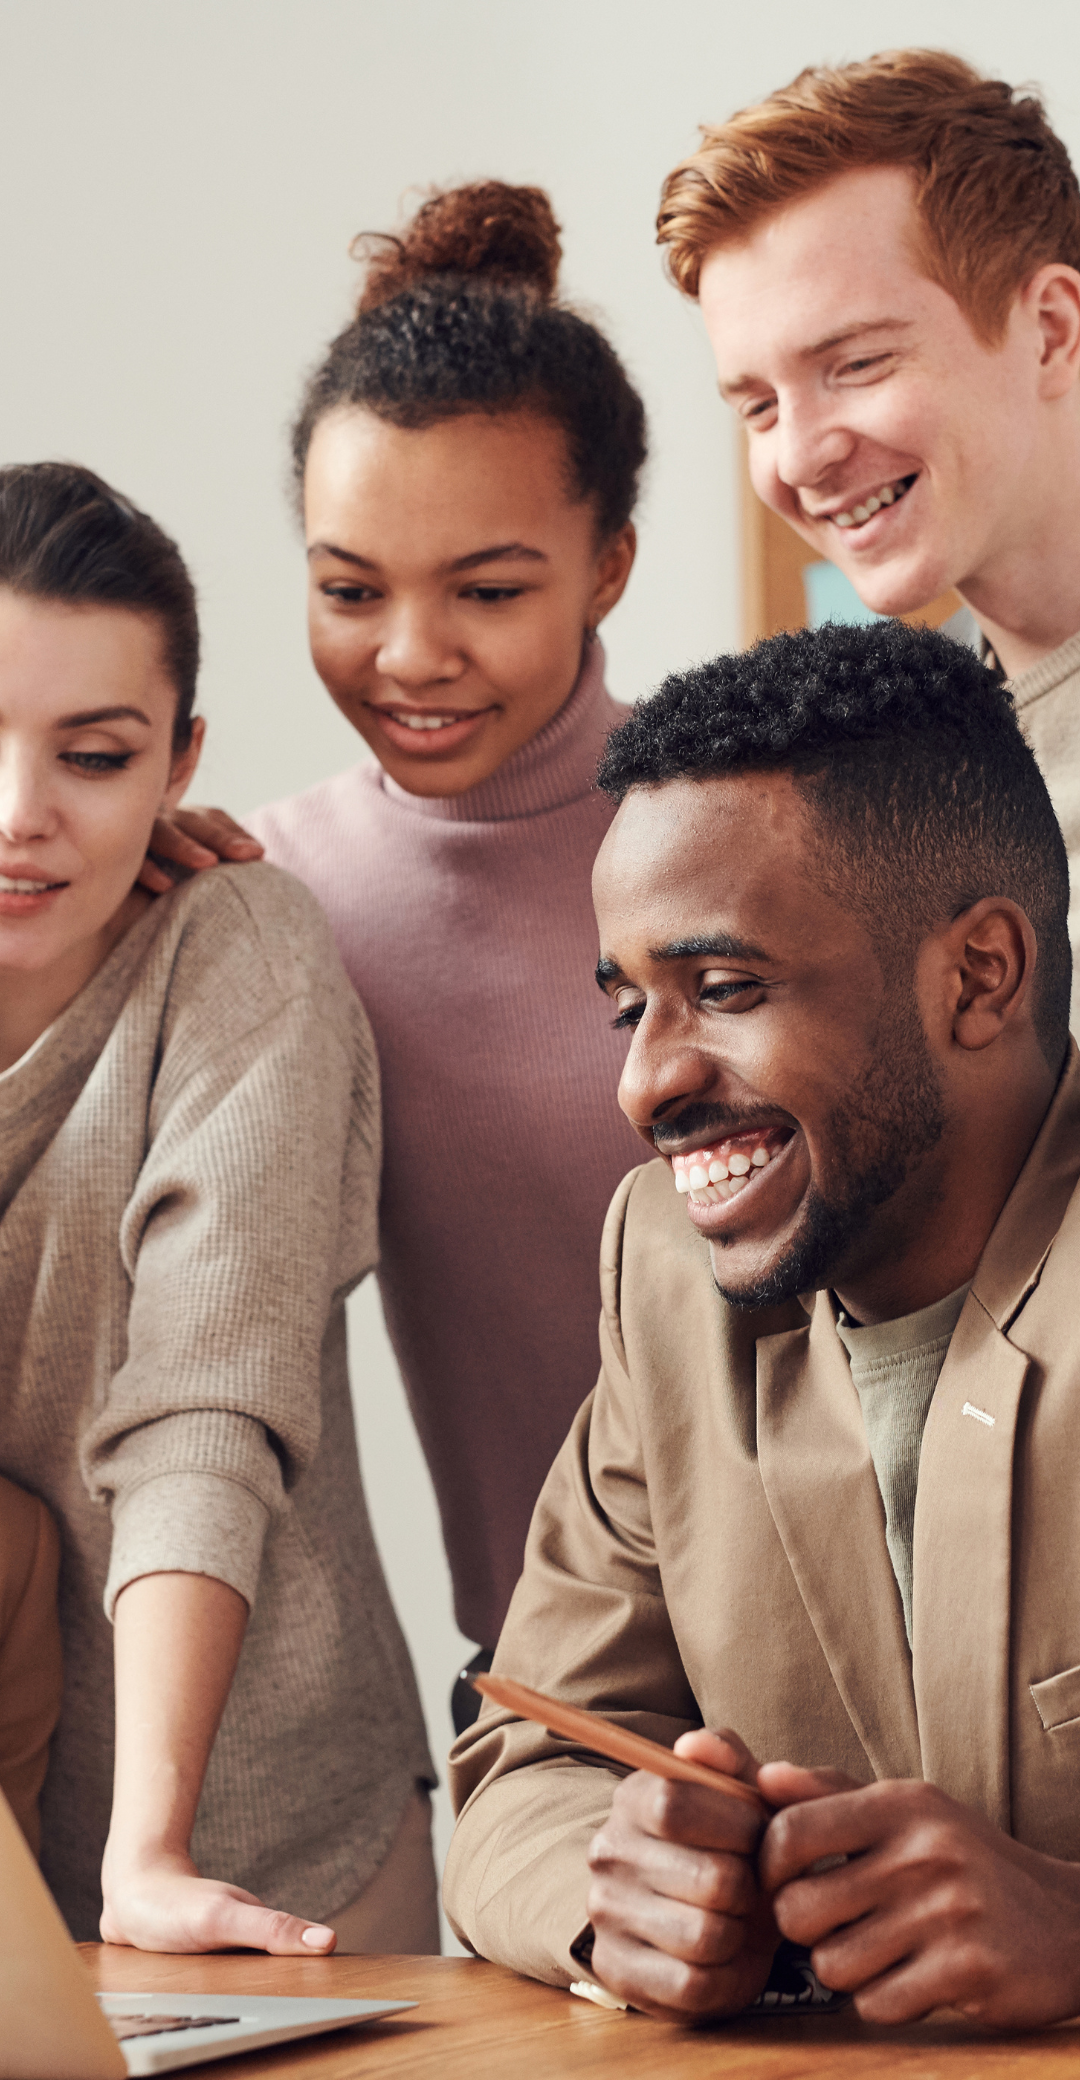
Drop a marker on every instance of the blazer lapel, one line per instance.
(822, 1490)
(963, 1566)
(963, 1511)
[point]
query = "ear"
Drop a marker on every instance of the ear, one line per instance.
(182, 770)
(613, 567)
(991, 953)
(1051, 301)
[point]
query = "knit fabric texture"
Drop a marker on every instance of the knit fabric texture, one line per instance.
(190, 1159)
(467, 927)
(1047, 700)
(895, 1367)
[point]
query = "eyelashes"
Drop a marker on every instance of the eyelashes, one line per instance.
(722, 994)
(92, 762)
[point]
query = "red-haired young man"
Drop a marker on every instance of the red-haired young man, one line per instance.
(887, 257)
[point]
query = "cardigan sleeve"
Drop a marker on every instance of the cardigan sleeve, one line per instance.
(589, 1621)
(253, 1214)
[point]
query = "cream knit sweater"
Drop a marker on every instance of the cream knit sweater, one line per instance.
(189, 1160)
(1047, 700)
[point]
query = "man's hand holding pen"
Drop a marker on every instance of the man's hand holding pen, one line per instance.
(907, 1900)
(682, 1928)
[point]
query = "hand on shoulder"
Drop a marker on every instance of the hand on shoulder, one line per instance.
(194, 840)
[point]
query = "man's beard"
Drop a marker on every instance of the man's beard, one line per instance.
(888, 1122)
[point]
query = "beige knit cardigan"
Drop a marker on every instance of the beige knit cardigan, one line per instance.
(189, 1162)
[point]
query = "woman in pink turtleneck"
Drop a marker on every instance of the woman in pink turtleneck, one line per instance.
(468, 454)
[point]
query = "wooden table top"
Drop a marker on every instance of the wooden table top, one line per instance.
(476, 2019)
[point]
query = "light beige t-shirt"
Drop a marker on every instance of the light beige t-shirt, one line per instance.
(1047, 700)
(895, 1367)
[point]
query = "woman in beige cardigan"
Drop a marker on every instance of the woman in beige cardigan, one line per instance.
(189, 1157)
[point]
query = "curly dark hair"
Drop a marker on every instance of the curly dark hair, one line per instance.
(911, 761)
(459, 315)
(67, 535)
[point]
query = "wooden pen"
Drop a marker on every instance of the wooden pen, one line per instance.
(617, 1743)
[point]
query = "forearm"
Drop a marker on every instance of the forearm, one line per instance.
(177, 1642)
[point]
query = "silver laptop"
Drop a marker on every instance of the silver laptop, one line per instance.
(52, 2027)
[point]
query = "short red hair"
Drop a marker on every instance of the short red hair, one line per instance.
(995, 190)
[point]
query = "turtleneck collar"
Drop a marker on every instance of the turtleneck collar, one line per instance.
(554, 768)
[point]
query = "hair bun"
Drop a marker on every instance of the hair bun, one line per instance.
(489, 229)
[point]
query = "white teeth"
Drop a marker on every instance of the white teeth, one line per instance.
(424, 721)
(736, 1185)
(858, 515)
(697, 1177)
(682, 1182)
(717, 1171)
(759, 1158)
(8, 887)
(738, 1164)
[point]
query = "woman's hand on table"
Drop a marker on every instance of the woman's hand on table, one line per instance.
(162, 1903)
(932, 1907)
(177, 1643)
(192, 840)
(681, 1927)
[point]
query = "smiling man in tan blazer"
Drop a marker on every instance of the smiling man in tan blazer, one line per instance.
(826, 1493)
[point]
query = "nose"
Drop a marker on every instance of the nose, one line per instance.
(663, 1072)
(809, 443)
(26, 812)
(416, 650)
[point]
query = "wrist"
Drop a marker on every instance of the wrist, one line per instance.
(129, 1858)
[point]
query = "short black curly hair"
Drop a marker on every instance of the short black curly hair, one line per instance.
(909, 755)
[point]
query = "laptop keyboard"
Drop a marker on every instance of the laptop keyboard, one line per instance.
(125, 2026)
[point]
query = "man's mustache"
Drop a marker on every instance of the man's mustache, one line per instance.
(706, 1123)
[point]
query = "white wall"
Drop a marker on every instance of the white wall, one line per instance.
(180, 181)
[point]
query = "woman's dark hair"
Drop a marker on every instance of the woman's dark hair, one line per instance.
(67, 535)
(459, 315)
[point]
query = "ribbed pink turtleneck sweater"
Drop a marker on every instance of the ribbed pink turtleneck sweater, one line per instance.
(467, 927)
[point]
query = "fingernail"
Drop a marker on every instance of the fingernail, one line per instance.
(317, 1938)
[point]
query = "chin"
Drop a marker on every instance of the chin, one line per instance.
(900, 586)
(430, 780)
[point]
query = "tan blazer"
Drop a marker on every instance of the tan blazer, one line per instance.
(710, 1548)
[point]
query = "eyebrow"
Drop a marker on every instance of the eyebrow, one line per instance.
(501, 552)
(87, 716)
(719, 945)
(823, 346)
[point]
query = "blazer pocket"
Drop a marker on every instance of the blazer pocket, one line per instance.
(1057, 1700)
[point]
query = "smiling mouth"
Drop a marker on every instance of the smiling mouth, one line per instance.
(11, 887)
(411, 718)
(858, 515)
(707, 1176)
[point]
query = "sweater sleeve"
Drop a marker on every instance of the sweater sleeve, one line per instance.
(588, 1621)
(253, 1214)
